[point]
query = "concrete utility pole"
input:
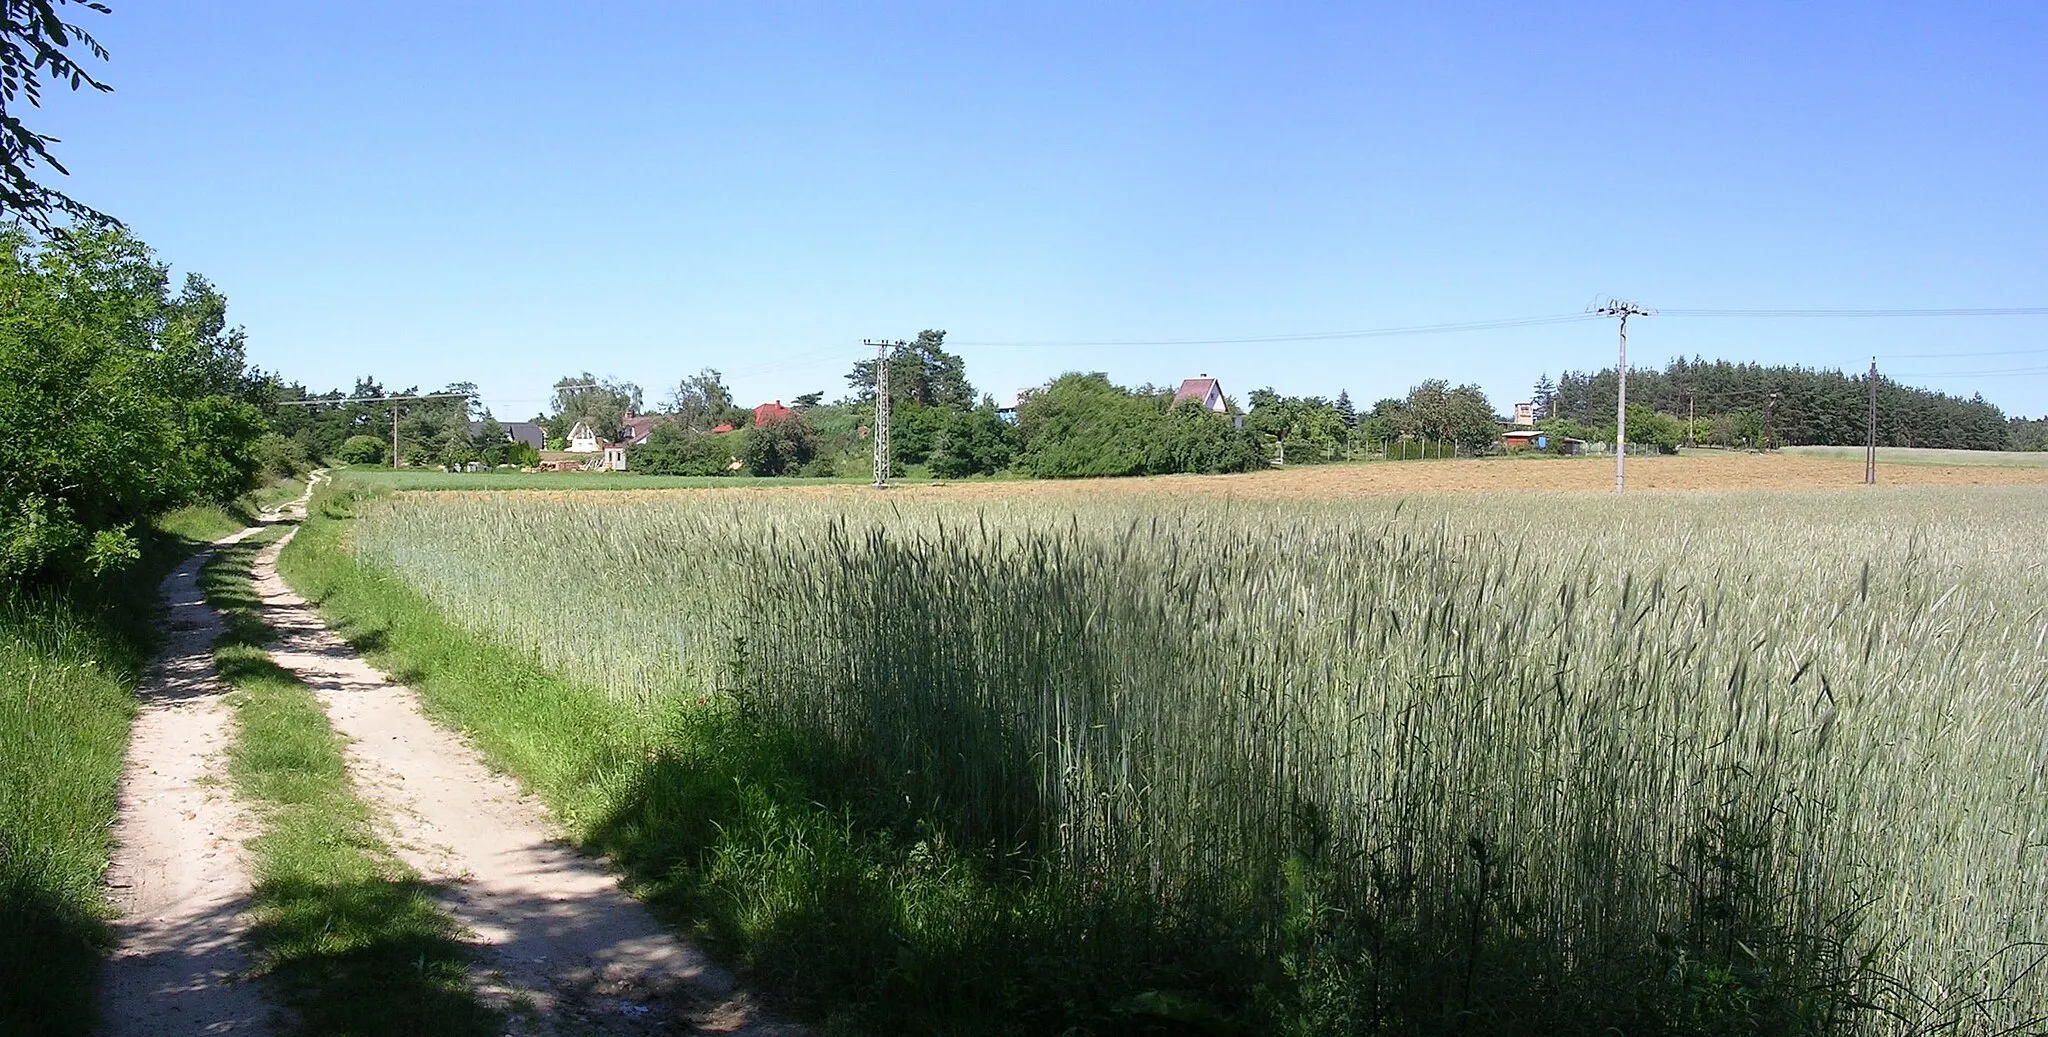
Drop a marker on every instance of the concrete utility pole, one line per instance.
(1623, 310)
(1870, 451)
(394, 435)
(882, 459)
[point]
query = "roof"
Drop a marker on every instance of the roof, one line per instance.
(768, 413)
(518, 432)
(1197, 389)
(637, 428)
(722, 427)
(1524, 433)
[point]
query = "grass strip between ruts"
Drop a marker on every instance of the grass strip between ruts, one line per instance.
(349, 937)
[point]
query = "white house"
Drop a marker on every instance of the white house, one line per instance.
(1525, 414)
(583, 439)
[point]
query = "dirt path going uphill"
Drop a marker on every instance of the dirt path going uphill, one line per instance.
(569, 952)
(178, 875)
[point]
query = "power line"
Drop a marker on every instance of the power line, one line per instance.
(1946, 356)
(1315, 336)
(1972, 374)
(1996, 311)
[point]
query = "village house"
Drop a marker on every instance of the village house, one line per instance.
(583, 439)
(525, 432)
(1206, 390)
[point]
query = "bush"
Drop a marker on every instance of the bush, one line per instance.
(673, 450)
(781, 447)
(975, 442)
(282, 457)
(362, 450)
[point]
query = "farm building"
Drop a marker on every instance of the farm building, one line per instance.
(1208, 391)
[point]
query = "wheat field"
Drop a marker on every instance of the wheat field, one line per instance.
(1528, 763)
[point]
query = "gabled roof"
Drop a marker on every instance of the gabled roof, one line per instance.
(635, 429)
(1202, 390)
(769, 413)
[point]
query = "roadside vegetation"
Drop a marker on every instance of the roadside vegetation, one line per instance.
(71, 655)
(1119, 766)
(350, 938)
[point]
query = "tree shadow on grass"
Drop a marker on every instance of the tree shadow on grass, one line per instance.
(367, 957)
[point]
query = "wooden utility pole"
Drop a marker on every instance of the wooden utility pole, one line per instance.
(1623, 310)
(394, 401)
(882, 459)
(1870, 450)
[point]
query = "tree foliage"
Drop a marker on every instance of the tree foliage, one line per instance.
(38, 45)
(1083, 425)
(603, 403)
(921, 372)
(1794, 405)
(119, 399)
(703, 402)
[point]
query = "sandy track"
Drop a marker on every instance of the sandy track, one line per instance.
(560, 934)
(178, 875)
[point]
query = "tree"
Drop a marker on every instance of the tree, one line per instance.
(1541, 397)
(779, 447)
(703, 402)
(222, 437)
(975, 442)
(1345, 410)
(808, 400)
(1196, 439)
(35, 43)
(107, 394)
(922, 372)
(1083, 425)
(1460, 415)
(1311, 424)
(602, 403)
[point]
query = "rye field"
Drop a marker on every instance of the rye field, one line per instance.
(1688, 763)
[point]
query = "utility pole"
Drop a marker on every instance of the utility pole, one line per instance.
(394, 401)
(1689, 419)
(882, 459)
(1870, 451)
(1623, 310)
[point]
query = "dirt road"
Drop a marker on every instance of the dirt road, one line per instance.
(178, 875)
(567, 951)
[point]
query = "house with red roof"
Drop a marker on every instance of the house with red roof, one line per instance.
(1205, 390)
(770, 413)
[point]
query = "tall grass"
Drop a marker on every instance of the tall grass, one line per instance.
(1702, 764)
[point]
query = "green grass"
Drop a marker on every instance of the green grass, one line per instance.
(71, 657)
(350, 938)
(1726, 763)
(273, 493)
(1928, 456)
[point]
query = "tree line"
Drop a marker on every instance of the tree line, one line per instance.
(122, 399)
(1755, 405)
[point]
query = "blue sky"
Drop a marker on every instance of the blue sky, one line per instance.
(506, 192)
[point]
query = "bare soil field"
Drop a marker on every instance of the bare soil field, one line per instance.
(1681, 473)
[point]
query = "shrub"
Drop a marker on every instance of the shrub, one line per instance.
(362, 450)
